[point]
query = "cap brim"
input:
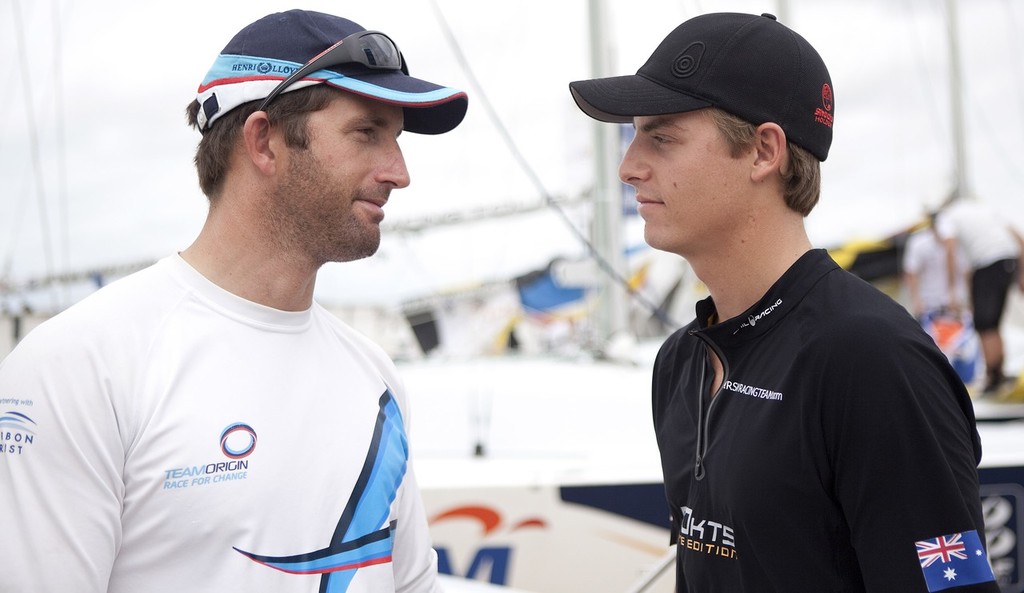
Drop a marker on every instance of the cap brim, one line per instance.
(234, 79)
(618, 99)
(428, 108)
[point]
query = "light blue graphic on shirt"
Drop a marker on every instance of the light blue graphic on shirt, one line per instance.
(363, 536)
(17, 421)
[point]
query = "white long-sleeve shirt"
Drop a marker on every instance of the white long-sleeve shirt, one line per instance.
(164, 435)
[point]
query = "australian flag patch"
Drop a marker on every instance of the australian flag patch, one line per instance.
(954, 561)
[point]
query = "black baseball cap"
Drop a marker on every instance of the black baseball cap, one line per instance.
(264, 53)
(750, 66)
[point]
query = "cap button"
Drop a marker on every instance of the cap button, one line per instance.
(768, 15)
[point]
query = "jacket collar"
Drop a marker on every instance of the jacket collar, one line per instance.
(770, 309)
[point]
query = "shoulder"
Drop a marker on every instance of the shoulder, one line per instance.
(366, 349)
(967, 216)
(86, 363)
(872, 354)
(360, 342)
(112, 315)
(846, 319)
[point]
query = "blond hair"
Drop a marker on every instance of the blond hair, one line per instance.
(801, 181)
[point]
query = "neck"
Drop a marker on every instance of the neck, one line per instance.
(238, 260)
(741, 271)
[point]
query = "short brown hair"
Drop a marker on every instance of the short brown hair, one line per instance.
(289, 110)
(801, 181)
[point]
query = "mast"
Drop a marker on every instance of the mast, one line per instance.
(607, 224)
(961, 187)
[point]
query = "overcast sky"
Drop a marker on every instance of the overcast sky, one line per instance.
(95, 157)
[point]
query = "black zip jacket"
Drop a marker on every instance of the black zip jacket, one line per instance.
(840, 444)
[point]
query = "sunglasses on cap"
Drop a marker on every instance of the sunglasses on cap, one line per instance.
(372, 49)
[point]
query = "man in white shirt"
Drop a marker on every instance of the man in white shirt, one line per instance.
(926, 281)
(925, 272)
(993, 250)
(204, 425)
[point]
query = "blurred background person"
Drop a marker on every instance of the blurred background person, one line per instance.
(993, 251)
(926, 283)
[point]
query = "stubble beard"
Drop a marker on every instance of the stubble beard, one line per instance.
(311, 215)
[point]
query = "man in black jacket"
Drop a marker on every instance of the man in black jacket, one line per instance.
(812, 436)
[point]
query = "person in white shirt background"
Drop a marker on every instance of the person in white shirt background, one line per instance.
(993, 250)
(925, 275)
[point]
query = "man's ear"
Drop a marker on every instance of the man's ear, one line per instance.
(257, 136)
(772, 154)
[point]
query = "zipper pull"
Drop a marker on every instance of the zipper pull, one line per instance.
(698, 468)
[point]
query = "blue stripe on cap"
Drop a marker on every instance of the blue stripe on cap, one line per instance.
(233, 69)
(399, 97)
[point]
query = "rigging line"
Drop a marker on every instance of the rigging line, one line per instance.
(916, 41)
(996, 142)
(926, 78)
(33, 137)
(60, 122)
(1013, 27)
(11, 236)
(19, 213)
(997, 138)
(602, 263)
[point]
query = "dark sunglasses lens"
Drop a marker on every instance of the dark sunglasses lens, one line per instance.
(369, 48)
(380, 52)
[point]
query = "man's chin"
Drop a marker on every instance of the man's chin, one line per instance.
(361, 251)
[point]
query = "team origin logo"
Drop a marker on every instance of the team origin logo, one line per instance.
(237, 442)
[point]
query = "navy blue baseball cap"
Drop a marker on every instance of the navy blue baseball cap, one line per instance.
(750, 66)
(265, 53)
